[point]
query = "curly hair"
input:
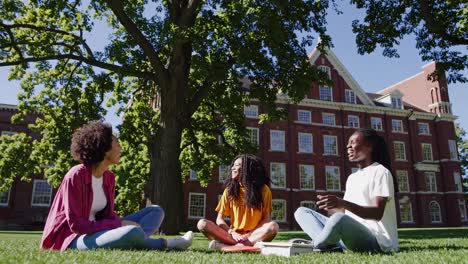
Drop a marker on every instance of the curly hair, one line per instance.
(91, 142)
(253, 177)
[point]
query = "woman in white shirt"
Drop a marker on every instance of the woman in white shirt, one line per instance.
(364, 220)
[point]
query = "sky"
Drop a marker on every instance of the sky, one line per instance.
(373, 72)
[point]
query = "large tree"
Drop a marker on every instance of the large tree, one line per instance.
(440, 28)
(462, 144)
(173, 67)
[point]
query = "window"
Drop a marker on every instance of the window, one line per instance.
(457, 181)
(278, 175)
(193, 175)
(353, 121)
(277, 140)
(252, 133)
(400, 151)
(325, 93)
(431, 184)
(223, 172)
(434, 211)
(309, 204)
(5, 198)
(305, 142)
(251, 111)
(42, 193)
(304, 116)
(330, 146)
(333, 178)
(328, 119)
(397, 125)
(376, 123)
(325, 69)
(8, 133)
(453, 150)
(350, 96)
(426, 151)
(307, 176)
(406, 212)
(196, 208)
(279, 210)
(424, 129)
(462, 208)
(396, 103)
(402, 179)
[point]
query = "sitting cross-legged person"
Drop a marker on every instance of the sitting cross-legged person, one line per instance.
(247, 201)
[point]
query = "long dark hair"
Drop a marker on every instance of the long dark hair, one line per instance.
(253, 176)
(379, 152)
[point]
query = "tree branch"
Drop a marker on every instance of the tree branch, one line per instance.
(143, 42)
(435, 26)
(111, 67)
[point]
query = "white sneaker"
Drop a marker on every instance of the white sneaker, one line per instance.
(216, 245)
(182, 242)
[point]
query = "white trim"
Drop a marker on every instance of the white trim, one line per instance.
(285, 210)
(428, 129)
(299, 134)
(8, 133)
(336, 143)
(8, 198)
(339, 177)
(282, 165)
(423, 152)
(404, 150)
(252, 108)
(34, 191)
(189, 205)
(257, 132)
(439, 212)
(312, 176)
(8, 107)
(426, 167)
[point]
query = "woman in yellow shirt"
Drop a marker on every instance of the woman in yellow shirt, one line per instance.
(247, 201)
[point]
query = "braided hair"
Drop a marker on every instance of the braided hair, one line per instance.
(253, 176)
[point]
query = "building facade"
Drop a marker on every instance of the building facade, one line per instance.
(306, 153)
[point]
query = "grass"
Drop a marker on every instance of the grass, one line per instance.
(441, 245)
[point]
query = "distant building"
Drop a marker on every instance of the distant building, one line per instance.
(306, 154)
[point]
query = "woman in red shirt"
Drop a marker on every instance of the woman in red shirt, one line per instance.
(82, 214)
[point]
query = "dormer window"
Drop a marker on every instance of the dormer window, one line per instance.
(396, 103)
(325, 69)
(350, 96)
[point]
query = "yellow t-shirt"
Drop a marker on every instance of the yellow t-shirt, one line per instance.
(244, 219)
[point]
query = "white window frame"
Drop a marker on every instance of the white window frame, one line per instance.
(330, 172)
(423, 129)
(223, 172)
(426, 151)
(303, 140)
(325, 69)
(326, 145)
(303, 177)
(277, 142)
(251, 111)
(397, 103)
(193, 175)
(253, 135)
(273, 174)
(350, 96)
(306, 114)
(328, 116)
(8, 133)
(457, 180)
(284, 213)
(326, 93)
(305, 202)
(7, 198)
(190, 216)
(431, 181)
(395, 143)
(397, 128)
(34, 194)
(453, 149)
(378, 126)
(401, 204)
(353, 123)
(435, 216)
(402, 177)
(462, 209)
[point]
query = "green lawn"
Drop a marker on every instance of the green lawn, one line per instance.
(447, 245)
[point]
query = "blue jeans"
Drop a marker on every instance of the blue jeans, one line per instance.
(127, 237)
(337, 230)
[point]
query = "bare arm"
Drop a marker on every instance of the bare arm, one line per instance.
(221, 223)
(375, 211)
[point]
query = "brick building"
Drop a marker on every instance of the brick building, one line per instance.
(306, 154)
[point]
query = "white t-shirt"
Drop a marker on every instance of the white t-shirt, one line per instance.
(364, 185)
(99, 198)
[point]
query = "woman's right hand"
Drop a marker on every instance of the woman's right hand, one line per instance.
(129, 222)
(237, 237)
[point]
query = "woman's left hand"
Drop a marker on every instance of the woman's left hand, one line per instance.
(329, 202)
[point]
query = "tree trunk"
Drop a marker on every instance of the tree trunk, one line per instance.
(165, 176)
